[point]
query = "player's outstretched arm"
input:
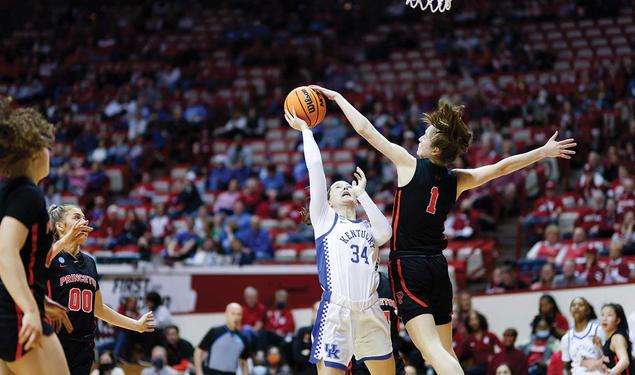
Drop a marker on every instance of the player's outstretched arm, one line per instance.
(397, 154)
(105, 313)
(382, 231)
(321, 216)
(471, 178)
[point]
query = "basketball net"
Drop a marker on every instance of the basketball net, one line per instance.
(440, 6)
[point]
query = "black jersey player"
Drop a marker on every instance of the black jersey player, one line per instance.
(27, 345)
(389, 308)
(73, 283)
(427, 189)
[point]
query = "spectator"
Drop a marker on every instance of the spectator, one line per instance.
(464, 302)
(546, 209)
(219, 175)
(478, 349)
(279, 320)
(125, 339)
(251, 195)
(504, 278)
(458, 226)
(548, 310)
(189, 198)
(626, 233)
(275, 364)
(225, 348)
(504, 369)
(271, 178)
(106, 365)
(180, 352)
(302, 347)
(626, 200)
(257, 239)
(162, 315)
(617, 270)
(574, 250)
(569, 276)
(226, 200)
(540, 347)
(240, 216)
(159, 224)
(589, 181)
(514, 358)
(253, 313)
(547, 274)
(159, 366)
(183, 245)
(549, 248)
(591, 270)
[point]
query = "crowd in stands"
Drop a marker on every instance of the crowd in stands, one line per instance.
(171, 138)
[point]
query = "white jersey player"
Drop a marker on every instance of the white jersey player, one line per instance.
(580, 342)
(349, 320)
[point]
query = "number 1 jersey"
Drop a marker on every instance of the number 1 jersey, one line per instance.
(73, 283)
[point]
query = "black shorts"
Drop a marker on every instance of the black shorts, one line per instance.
(80, 355)
(361, 369)
(421, 285)
(10, 350)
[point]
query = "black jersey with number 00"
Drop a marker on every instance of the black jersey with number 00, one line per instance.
(421, 208)
(22, 200)
(73, 284)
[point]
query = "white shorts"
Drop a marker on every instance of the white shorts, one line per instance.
(343, 329)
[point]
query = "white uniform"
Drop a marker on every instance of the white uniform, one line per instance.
(577, 346)
(349, 320)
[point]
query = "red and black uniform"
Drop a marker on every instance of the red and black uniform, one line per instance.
(418, 269)
(22, 200)
(73, 284)
(388, 306)
(612, 356)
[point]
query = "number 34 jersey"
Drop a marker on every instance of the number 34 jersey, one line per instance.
(347, 259)
(72, 282)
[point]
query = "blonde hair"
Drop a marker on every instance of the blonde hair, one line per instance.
(57, 215)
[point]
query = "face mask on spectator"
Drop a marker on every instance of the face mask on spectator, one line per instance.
(103, 367)
(281, 305)
(273, 359)
(543, 334)
(157, 363)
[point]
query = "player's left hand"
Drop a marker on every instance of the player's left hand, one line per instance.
(559, 149)
(56, 315)
(359, 186)
(330, 94)
(294, 121)
(146, 323)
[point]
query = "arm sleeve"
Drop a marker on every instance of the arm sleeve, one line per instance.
(25, 205)
(321, 214)
(533, 252)
(208, 340)
(380, 226)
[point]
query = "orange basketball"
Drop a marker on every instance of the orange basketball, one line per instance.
(309, 105)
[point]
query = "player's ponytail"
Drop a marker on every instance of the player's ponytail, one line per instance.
(453, 136)
(57, 215)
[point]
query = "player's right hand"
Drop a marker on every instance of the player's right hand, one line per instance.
(79, 229)
(31, 330)
(294, 121)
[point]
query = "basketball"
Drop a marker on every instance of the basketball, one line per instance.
(309, 105)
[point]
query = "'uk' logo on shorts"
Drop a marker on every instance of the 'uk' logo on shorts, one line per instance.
(332, 351)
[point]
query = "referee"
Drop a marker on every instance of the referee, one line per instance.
(223, 348)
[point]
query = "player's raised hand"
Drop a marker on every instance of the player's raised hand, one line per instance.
(146, 323)
(56, 314)
(294, 121)
(359, 186)
(559, 149)
(329, 94)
